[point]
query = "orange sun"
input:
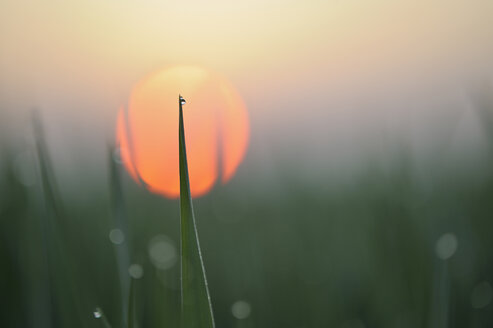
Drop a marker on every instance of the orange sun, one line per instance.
(216, 127)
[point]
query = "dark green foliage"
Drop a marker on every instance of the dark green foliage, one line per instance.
(302, 254)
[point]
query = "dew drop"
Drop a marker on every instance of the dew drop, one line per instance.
(97, 313)
(182, 100)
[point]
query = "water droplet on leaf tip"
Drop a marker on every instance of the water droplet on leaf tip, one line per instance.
(97, 313)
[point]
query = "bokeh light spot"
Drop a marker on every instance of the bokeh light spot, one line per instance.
(446, 246)
(241, 309)
(136, 271)
(481, 295)
(162, 252)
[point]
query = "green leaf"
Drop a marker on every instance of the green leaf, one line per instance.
(131, 305)
(196, 305)
(119, 221)
(66, 301)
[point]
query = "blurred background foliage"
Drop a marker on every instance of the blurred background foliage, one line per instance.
(391, 246)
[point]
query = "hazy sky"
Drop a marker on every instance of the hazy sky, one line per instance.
(95, 50)
(331, 71)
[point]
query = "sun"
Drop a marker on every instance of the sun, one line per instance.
(216, 126)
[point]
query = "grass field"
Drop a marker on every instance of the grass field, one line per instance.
(386, 249)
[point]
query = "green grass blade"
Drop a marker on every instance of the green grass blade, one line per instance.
(131, 305)
(66, 300)
(120, 222)
(195, 302)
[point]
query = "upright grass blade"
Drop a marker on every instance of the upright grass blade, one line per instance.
(119, 224)
(65, 299)
(131, 305)
(196, 308)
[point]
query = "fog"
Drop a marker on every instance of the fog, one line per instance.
(329, 86)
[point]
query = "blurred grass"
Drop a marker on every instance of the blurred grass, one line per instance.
(65, 302)
(119, 224)
(301, 255)
(131, 319)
